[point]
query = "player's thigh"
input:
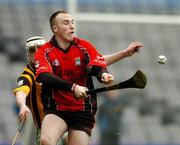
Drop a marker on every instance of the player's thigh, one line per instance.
(77, 137)
(53, 127)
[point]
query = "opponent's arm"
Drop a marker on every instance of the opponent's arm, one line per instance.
(21, 102)
(21, 92)
(129, 51)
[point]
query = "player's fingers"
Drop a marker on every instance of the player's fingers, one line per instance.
(109, 79)
(137, 47)
(84, 95)
(138, 50)
(21, 117)
(136, 44)
(27, 115)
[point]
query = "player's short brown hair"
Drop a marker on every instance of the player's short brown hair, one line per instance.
(53, 16)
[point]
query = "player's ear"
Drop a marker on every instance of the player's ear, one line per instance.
(54, 28)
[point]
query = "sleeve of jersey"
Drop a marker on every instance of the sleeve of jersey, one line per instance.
(22, 85)
(97, 63)
(95, 58)
(41, 61)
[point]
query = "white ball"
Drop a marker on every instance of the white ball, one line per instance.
(162, 59)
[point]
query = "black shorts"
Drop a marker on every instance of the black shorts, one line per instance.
(79, 120)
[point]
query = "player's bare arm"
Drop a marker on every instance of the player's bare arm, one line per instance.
(21, 101)
(133, 48)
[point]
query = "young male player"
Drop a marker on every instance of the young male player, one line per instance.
(66, 64)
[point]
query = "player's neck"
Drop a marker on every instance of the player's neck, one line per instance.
(62, 44)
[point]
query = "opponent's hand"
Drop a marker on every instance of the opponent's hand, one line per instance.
(133, 48)
(24, 112)
(107, 78)
(80, 92)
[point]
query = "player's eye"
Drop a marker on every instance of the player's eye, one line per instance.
(66, 22)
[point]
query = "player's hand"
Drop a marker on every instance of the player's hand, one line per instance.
(80, 92)
(24, 112)
(107, 78)
(133, 48)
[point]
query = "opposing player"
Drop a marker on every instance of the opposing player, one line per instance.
(28, 91)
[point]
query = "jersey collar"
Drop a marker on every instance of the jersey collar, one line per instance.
(53, 41)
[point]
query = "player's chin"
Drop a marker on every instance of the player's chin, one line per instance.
(70, 37)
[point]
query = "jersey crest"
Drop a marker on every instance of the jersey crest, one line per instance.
(77, 61)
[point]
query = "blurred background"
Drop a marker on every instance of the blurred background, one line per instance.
(127, 117)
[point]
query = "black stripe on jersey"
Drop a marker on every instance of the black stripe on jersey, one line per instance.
(33, 101)
(91, 101)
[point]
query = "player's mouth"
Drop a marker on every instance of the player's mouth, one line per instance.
(71, 33)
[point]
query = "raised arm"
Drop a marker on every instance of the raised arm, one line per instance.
(129, 51)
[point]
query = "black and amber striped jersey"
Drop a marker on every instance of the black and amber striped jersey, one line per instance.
(26, 83)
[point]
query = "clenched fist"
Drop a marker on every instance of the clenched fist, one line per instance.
(107, 78)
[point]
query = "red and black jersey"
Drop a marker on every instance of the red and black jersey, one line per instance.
(71, 65)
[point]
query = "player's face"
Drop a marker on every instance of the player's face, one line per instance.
(32, 55)
(64, 27)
